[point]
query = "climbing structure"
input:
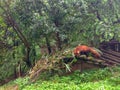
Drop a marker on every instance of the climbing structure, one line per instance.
(110, 57)
(111, 52)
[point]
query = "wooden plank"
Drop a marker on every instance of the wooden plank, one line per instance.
(110, 61)
(111, 52)
(109, 56)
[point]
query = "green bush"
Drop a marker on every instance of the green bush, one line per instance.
(97, 79)
(21, 82)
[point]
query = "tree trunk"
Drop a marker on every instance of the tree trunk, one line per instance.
(48, 44)
(58, 41)
(98, 15)
(33, 55)
(19, 70)
(10, 21)
(15, 72)
(28, 62)
(16, 28)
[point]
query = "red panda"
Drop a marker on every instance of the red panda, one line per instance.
(83, 49)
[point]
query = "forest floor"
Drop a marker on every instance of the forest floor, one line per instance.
(96, 79)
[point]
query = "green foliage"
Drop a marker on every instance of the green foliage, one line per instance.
(88, 80)
(7, 66)
(97, 79)
(21, 82)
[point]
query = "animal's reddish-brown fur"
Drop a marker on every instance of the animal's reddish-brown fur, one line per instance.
(83, 48)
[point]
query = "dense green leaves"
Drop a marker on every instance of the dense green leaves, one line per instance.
(106, 79)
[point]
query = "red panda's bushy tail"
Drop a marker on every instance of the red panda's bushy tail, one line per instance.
(94, 52)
